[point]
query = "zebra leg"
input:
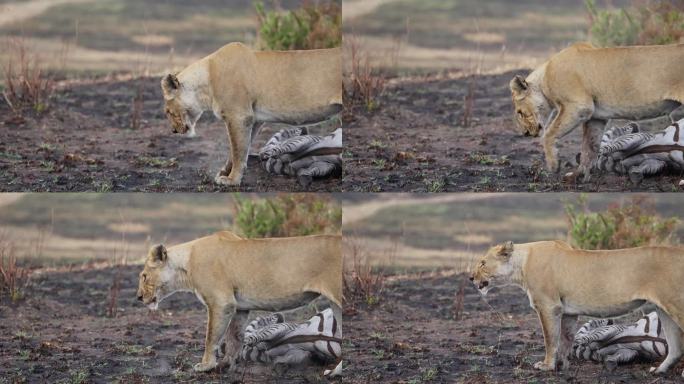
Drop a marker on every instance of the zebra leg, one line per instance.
(337, 313)
(647, 167)
(621, 356)
(673, 336)
(568, 329)
(591, 137)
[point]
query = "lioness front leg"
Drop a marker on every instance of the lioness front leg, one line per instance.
(225, 171)
(217, 322)
(550, 318)
(569, 117)
(239, 137)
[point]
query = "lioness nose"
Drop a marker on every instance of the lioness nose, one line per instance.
(484, 284)
(140, 298)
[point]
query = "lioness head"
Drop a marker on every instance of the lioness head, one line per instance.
(494, 264)
(526, 107)
(156, 279)
(180, 105)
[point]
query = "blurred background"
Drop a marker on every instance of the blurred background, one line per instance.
(103, 36)
(65, 229)
(499, 35)
(409, 231)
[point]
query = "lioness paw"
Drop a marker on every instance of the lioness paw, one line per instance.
(542, 366)
(225, 180)
(204, 367)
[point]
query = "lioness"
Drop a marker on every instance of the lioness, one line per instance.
(562, 283)
(584, 85)
(232, 276)
(245, 88)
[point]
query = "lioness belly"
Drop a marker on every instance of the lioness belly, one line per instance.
(308, 116)
(280, 303)
(641, 112)
(610, 310)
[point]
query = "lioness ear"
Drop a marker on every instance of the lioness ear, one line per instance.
(519, 85)
(506, 249)
(170, 85)
(158, 254)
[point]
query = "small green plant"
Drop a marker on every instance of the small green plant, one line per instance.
(434, 186)
(286, 215)
(644, 23)
(629, 224)
(313, 26)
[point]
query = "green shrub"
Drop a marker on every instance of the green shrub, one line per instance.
(313, 26)
(629, 224)
(644, 23)
(286, 215)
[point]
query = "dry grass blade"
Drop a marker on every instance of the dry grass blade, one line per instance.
(26, 83)
(13, 279)
(365, 81)
(362, 282)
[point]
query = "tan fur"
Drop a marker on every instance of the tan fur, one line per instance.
(232, 276)
(584, 85)
(246, 88)
(563, 283)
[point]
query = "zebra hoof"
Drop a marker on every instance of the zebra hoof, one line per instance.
(636, 177)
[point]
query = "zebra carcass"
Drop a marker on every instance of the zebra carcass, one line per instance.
(627, 150)
(294, 152)
(613, 344)
(270, 340)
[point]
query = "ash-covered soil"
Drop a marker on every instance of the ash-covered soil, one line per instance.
(411, 336)
(415, 140)
(61, 333)
(88, 140)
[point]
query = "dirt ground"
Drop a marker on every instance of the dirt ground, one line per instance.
(85, 142)
(416, 141)
(60, 334)
(411, 337)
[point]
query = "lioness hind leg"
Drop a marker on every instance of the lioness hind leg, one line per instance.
(591, 138)
(673, 336)
(232, 339)
(568, 330)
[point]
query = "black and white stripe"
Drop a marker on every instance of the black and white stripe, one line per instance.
(603, 341)
(293, 343)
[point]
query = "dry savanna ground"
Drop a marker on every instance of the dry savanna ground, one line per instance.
(444, 121)
(428, 324)
(78, 321)
(103, 128)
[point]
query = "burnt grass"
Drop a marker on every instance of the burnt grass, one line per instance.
(60, 332)
(415, 140)
(411, 336)
(89, 139)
